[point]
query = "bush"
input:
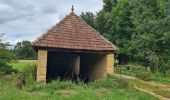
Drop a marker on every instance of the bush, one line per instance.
(6, 69)
(143, 75)
(6, 56)
(122, 83)
(26, 76)
(110, 82)
(168, 73)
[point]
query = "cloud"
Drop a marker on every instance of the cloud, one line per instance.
(28, 19)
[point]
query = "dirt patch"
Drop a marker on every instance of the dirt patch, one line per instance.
(156, 89)
(158, 84)
(152, 93)
(101, 92)
(66, 92)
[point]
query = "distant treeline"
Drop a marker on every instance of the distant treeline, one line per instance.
(24, 50)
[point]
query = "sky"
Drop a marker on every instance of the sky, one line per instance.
(29, 19)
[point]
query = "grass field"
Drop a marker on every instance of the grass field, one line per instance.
(141, 72)
(21, 64)
(109, 89)
(154, 83)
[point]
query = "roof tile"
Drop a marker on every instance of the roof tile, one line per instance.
(74, 33)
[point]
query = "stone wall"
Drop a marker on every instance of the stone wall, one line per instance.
(42, 65)
(109, 58)
(96, 66)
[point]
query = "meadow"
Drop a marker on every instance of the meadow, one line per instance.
(111, 88)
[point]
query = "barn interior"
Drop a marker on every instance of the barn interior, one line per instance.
(73, 66)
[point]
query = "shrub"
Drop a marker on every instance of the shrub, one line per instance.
(110, 82)
(143, 75)
(168, 73)
(122, 83)
(6, 69)
(6, 56)
(26, 76)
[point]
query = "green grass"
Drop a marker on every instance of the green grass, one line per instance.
(142, 73)
(21, 65)
(160, 78)
(101, 90)
(109, 89)
(158, 88)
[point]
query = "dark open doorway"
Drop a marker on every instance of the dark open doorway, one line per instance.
(72, 66)
(61, 65)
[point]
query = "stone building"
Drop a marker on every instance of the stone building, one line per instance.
(72, 47)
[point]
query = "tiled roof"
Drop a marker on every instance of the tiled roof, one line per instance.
(75, 34)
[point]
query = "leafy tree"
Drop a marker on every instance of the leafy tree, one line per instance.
(89, 18)
(151, 21)
(140, 29)
(108, 4)
(102, 17)
(6, 56)
(120, 27)
(24, 50)
(1, 43)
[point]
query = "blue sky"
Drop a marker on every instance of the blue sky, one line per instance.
(28, 19)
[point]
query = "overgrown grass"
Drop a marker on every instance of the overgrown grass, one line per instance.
(142, 73)
(160, 89)
(20, 65)
(108, 89)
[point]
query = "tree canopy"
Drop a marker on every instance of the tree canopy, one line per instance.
(139, 28)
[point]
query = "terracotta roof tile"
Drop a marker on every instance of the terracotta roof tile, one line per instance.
(73, 33)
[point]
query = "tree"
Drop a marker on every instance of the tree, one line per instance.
(1, 43)
(6, 56)
(108, 4)
(139, 28)
(121, 28)
(151, 21)
(89, 18)
(24, 50)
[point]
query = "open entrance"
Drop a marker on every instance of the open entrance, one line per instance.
(70, 66)
(62, 65)
(93, 66)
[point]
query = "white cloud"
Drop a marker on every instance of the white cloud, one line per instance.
(28, 19)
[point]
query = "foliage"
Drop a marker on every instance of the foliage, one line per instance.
(1, 44)
(66, 90)
(143, 73)
(6, 56)
(6, 69)
(24, 49)
(89, 18)
(27, 76)
(139, 28)
(164, 65)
